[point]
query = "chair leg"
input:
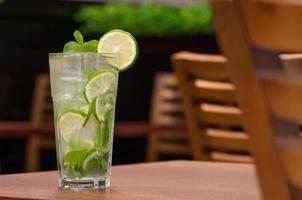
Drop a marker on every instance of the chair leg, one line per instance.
(196, 149)
(196, 153)
(47, 143)
(32, 154)
(152, 148)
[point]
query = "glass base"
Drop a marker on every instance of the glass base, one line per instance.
(92, 184)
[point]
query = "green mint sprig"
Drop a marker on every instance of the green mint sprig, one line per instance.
(79, 45)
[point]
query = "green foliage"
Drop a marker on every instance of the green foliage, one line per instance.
(79, 45)
(145, 19)
(78, 37)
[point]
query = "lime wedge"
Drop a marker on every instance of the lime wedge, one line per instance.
(103, 105)
(69, 122)
(99, 83)
(91, 161)
(121, 43)
(96, 163)
(80, 144)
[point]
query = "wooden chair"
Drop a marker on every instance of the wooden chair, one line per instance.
(41, 114)
(212, 116)
(168, 135)
(252, 33)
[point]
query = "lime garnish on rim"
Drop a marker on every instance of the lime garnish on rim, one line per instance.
(122, 44)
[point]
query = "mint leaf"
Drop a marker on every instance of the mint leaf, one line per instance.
(72, 46)
(91, 46)
(78, 36)
(79, 45)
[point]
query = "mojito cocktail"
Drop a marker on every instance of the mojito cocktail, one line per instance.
(84, 89)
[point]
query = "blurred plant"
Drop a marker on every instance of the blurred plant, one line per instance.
(146, 19)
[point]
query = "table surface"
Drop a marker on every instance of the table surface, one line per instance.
(174, 180)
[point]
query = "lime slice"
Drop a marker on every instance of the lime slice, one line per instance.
(96, 163)
(121, 43)
(103, 105)
(91, 160)
(69, 122)
(80, 144)
(99, 83)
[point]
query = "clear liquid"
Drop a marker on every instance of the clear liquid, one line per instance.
(82, 161)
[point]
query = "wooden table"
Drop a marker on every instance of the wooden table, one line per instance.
(175, 180)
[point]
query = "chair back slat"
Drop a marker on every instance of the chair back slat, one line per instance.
(253, 34)
(172, 109)
(168, 120)
(224, 116)
(41, 109)
(284, 96)
(166, 108)
(226, 140)
(213, 91)
(213, 66)
(209, 102)
(166, 117)
(170, 94)
(292, 62)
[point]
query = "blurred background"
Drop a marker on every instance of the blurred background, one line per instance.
(32, 29)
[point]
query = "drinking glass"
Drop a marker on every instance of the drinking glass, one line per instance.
(83, 90)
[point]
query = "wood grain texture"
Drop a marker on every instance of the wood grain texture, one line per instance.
(214, 67)
(213, 91)
(41, 114)
(220, 115)
(252, 33)
(273, 14)
(281, 86)
(226, 140)
(177, 180)
(166, 110)
(292, 63)
(255, 118)
(284, 94)
(290, 151)
(208, 99)
(41, 107)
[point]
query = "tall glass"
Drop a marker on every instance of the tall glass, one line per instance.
(84, 89)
